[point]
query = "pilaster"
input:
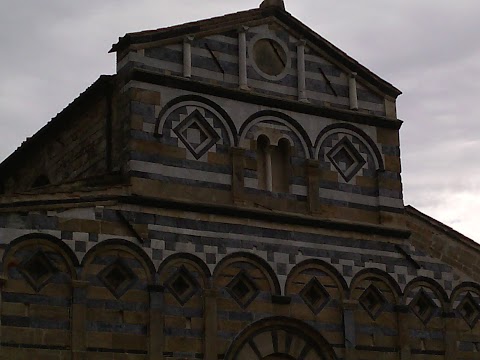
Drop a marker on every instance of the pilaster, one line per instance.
(313, 185)
(157, 323)
(238, 168)
(79, 319)
(210, 317)
(349, 307)
(404, 332)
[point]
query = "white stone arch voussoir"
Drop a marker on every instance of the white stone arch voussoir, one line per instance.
(193, 103)
(374, 152)
(284, 122)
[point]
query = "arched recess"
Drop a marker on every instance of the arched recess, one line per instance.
(277, 125)
(317, 285)
(187, 270)
(41, 240)
(377, 295)
(118, 273)
(186, 279)
(197, 124)
(280, 338)
(245, 261)
(465, 304)
(40, 270)
(349, 151)
(427, 301)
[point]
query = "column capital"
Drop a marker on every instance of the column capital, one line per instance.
(188, 39)
(237, 151)
(313, 163)
(301, 42)
(156, 288)
(211, 293)
(3, 279)
(80, 284)
(350, 304)
(243, 29)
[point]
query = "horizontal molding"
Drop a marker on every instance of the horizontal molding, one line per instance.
(224, 210)
(258, 99)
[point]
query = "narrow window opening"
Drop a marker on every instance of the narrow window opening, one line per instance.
(281, 167)
(264, 163)
(40, 181)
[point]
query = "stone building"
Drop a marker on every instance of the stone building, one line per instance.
(233, 192)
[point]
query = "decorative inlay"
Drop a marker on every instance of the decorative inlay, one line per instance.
(423, 306)
(469, 310)
(182, 285)
(373, 301)
(118, 278)
(242, 289)
(315, 295)
(37, 270)
(196, 134)
(346, 158)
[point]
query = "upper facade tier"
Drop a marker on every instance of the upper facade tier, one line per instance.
(261, 51)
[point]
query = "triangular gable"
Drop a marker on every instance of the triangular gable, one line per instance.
(229, 24)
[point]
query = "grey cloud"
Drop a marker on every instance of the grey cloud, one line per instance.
(52, 50)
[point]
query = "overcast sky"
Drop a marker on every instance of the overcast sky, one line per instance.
(53, 49)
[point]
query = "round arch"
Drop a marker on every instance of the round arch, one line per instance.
(354, 131)
(285, 120)
(324, 266)
(254, 259)
(123, 245)
(49, 241)
(196, 100)
(180, 258)
(280, 338)
(379, 275)
(430, 284)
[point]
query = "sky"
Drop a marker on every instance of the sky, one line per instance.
(52, 50)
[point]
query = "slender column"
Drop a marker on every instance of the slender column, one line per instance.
(210, 317)
(268, 169)
(302, 93)
(79, 320)
(349, 307)
(157, 323)
(238, 178)
(450, 337)
(313, 184)
(3, 280)
(242, 58)
(353, 91)
(187, 56)
(404, 332)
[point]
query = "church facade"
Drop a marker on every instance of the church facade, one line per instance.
(232, 192)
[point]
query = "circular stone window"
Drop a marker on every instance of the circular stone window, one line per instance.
(270, 58)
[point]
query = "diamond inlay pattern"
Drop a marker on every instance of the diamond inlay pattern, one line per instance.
(373, 301)
(182, 285)
(242, 289)
(37, 270)
(196, 134)
(469, 309)
(346, 158)
(315, 295)
(118, 278)
(423, 306)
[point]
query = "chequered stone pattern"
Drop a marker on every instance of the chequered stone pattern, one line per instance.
(198, 130)
(366, 169)
(211, 241)
(199, 245)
